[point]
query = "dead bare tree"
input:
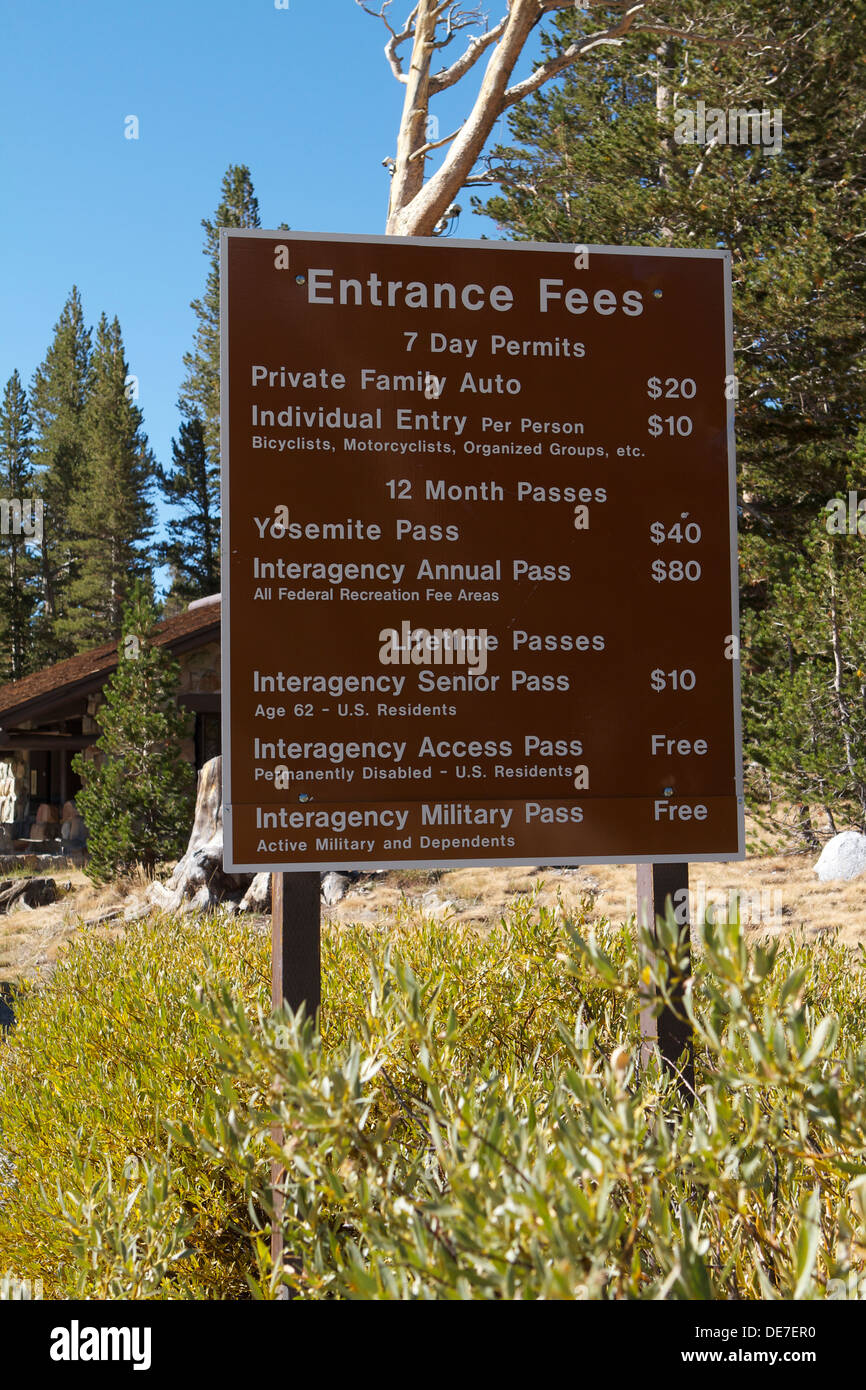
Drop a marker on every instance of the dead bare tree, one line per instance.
(419, 205)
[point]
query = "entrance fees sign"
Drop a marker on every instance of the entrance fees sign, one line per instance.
(479, 595)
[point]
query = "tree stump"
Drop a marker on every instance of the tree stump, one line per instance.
(199, 882)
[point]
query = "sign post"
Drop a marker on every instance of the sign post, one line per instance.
(296, 979)
(295, 942)
(660, 886)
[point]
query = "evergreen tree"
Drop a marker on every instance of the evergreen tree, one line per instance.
(20, 527)
(137, 800)
(200, 393)
(193, 550)
(192, 484)
(110, 515)
(596, 159)
(808, 713)
(57, 398)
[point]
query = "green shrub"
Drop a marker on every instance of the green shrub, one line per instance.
(471, 1124)
(93, 1197)
(137, 796)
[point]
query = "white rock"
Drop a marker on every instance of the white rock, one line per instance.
(433, 906)
(258, 896)
(843, 857)
(334, 888)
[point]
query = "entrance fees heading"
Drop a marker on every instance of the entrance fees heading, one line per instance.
(376, 293)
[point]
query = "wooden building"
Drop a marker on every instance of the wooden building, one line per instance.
(50, 715)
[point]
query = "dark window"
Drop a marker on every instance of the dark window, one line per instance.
(208, 738)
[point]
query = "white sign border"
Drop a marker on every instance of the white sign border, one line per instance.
(563, 248)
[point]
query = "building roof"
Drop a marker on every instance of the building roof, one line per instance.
(82, 674)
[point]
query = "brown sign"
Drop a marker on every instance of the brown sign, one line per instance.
(479, 570)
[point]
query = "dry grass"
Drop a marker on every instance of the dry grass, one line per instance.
(781, 894)
(32, 939)
(778, 892)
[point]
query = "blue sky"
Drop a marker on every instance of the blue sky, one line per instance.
(302, 95)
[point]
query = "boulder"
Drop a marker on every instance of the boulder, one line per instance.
(433, 906)
(257, 898)
(334, 888)
(27, 893)
(843, 857)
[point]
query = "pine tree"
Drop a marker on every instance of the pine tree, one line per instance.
(20, 533)
(808, 714)
(200, 394)
(597, 160)
(192, 484)
(110, 516)
(193, 550)
(57, 399)
(137, 800)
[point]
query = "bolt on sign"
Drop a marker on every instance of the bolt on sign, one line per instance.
(479, 593)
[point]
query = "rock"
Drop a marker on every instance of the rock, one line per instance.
(843, 857)
(257, 898)
(433, 906)
(334, 888)
(5, 840)
(27, 893)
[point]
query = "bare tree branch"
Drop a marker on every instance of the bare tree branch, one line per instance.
(454, 20)
(381, 13)
(435, 144)
(448, 76)
(545, 71)
(418, 207)
(396, 39)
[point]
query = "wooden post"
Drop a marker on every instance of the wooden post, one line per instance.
(296, 972)
(658, 885)
(296, 979)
